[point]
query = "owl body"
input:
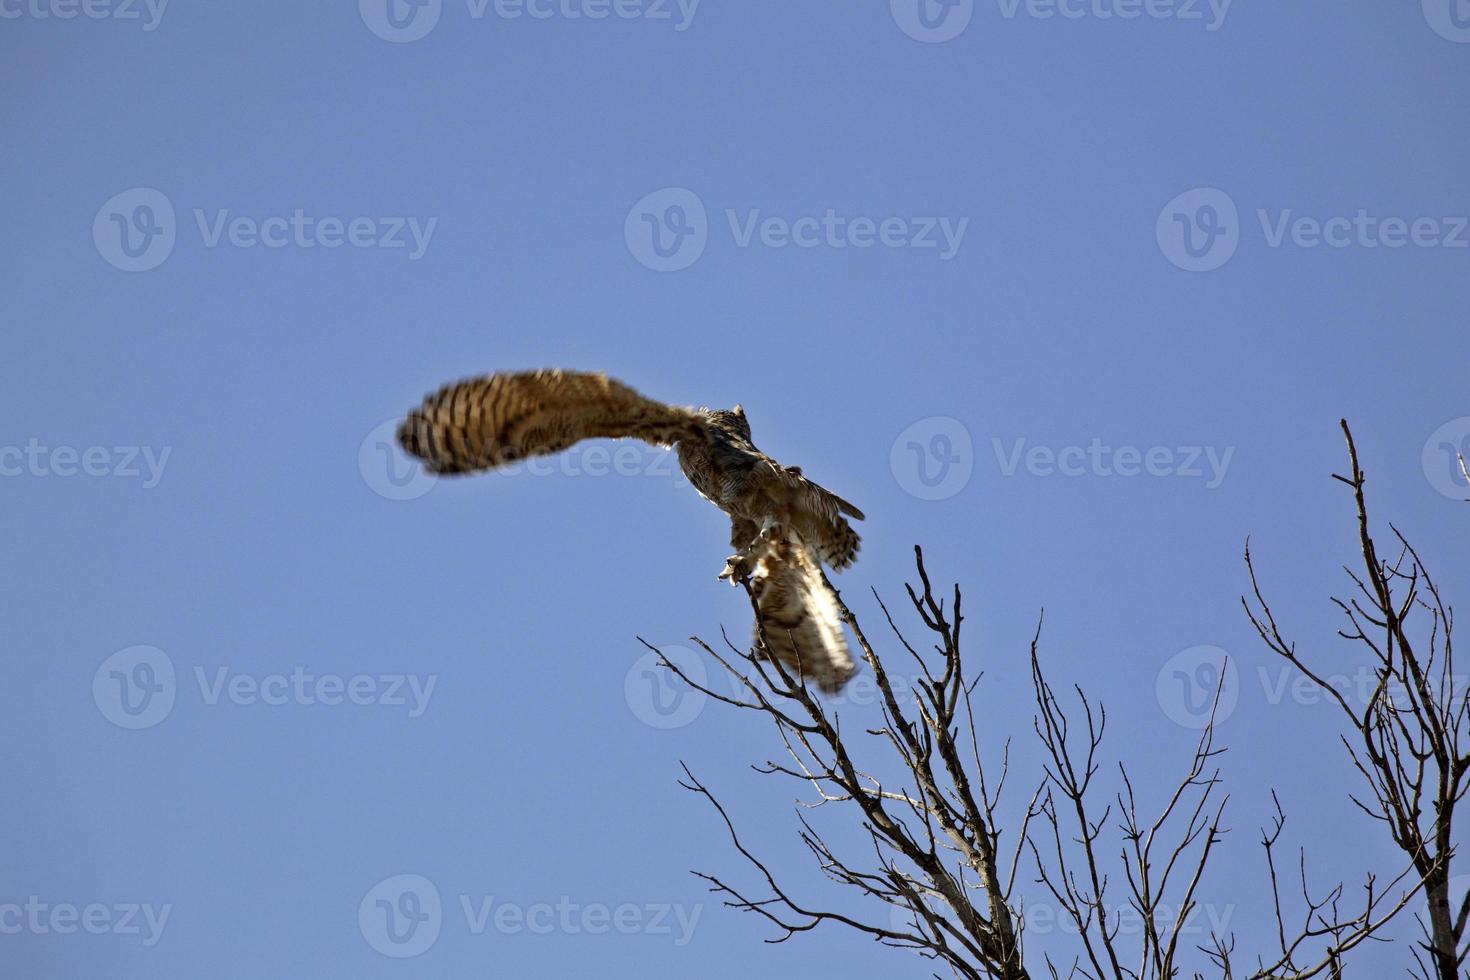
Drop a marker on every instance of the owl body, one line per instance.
(721, 466)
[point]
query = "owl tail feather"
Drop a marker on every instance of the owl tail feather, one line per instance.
(799, 616)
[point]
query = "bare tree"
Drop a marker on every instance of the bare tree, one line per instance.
(1411, 739)
(951, 876)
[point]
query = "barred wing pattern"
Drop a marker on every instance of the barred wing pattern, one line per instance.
(819, 520)
(485, 422)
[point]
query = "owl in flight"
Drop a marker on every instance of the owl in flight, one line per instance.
(782, 525)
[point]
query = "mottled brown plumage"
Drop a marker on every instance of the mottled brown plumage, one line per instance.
(803, 624)
(782, 524)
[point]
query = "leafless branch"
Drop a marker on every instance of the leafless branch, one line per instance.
(1129, 877)
(1410, 740)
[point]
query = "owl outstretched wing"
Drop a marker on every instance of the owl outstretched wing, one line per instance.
(798, 616)
(481, 423)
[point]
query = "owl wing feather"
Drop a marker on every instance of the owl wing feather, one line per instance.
(481, 423)
(798, 617)
(817, 514)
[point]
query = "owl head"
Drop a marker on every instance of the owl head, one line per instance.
(733, 420)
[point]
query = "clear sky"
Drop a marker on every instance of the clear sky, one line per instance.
(1038, 296)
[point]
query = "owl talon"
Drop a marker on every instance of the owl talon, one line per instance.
(771, 532)
(737, 569)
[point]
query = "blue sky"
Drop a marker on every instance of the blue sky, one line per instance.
(1115, 278)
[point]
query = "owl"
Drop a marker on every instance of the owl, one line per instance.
(783, 526)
